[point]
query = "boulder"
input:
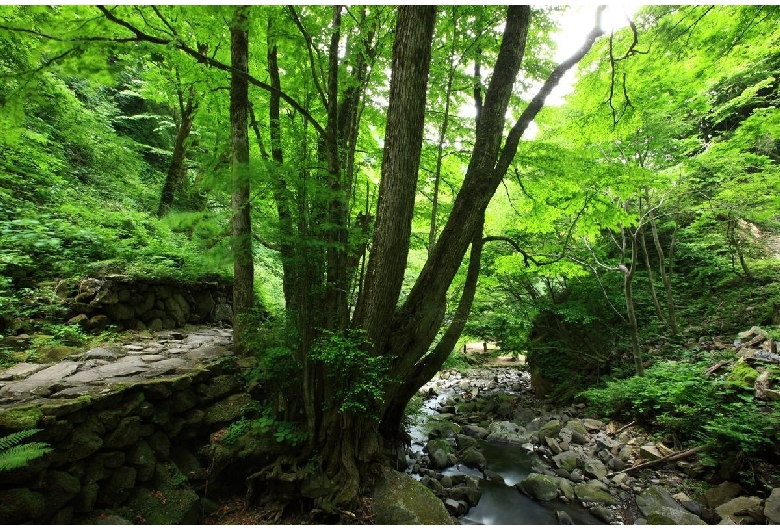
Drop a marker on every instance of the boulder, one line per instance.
(723, 492)
(540, 487)
(772, 507)
(400, 499)
(551, 429)
(666, 515)
(659, 507)
(592, 492)
(506, 432)
(742, 510)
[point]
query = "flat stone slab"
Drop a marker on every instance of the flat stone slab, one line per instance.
(20, 371)
(103, 353)
(55, 373)
(167, 354)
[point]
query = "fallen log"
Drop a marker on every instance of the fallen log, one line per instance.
(679, 455)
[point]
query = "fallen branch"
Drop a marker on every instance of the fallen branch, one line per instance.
(623, 428)
(679, 455)
(714, 368)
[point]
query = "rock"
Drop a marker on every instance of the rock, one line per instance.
(540, 487)
(592, 425)
(169, 501)
(667, 515)
(594, 468)
(761, 387)
(464, 441)
(439, 459)
(603, 513)
(772, 507)
(551, 429)
(657, 504)
(506, 432)
(722, 493)
(473, 458)
(568, 460)
(58, 488)
(590, 492)
(400, 499)
(742, 510)
(650, 452)
(563, 517)
(20, 505)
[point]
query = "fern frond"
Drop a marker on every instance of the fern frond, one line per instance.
(6, 442)
(21, 455)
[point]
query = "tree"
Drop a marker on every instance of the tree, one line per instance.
(353, 371)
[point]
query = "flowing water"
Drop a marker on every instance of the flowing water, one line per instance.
(501, 503)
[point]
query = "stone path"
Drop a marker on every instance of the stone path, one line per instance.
(164, 354)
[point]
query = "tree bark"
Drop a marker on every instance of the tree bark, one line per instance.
(177, 170)
(400, 164)
(243, 261)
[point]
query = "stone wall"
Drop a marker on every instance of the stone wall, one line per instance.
(131, 450)
(95, 303)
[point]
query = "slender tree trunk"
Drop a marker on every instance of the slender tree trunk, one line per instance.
(651, 284)
(628, 279)
(243, 262)
(177, 170)
(442, 135)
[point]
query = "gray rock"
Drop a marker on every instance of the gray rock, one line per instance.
(742, 510)
(539, 486)
(399, 499)
(667, 515)
(723, 492)
(568, 460)
(592, 492)
(654, 498)
(551, 429)
(506, 432)
(594, 468)
(772, 507)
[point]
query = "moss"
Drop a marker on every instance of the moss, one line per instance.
(20, 418)
(63, 407)
(20, 505)
(742, 375)
(170, 502)
(400, 499)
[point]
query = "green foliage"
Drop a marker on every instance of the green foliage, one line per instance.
(677, 399)
(14, 454)
(261, 419)
(358, 376)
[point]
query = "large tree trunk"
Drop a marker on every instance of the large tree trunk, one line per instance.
(243, 261)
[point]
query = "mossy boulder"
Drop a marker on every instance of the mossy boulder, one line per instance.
(400, 499)
(538, 486)
(20, 418)
(742, 375)
(59, 488)
(20, 505)
(227, 410)
(589, 492)
(170, 501)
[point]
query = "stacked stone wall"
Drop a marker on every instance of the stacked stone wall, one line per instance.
(96, 303)
(135, 449)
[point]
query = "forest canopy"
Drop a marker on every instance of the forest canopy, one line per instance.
(320, 158)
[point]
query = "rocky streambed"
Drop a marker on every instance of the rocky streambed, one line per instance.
(495, 454)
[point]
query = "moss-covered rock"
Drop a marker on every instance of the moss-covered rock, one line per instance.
(170, 501)
(20, 418)
(742, 375)
(141, 457)
(587, 492)
(226, 410)
(538, 486)
(20, 505)
(399, 499)
(126, 433)
(58, 488)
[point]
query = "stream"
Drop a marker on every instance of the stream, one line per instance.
(507, 464)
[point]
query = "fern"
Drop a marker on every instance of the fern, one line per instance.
(13, 455)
